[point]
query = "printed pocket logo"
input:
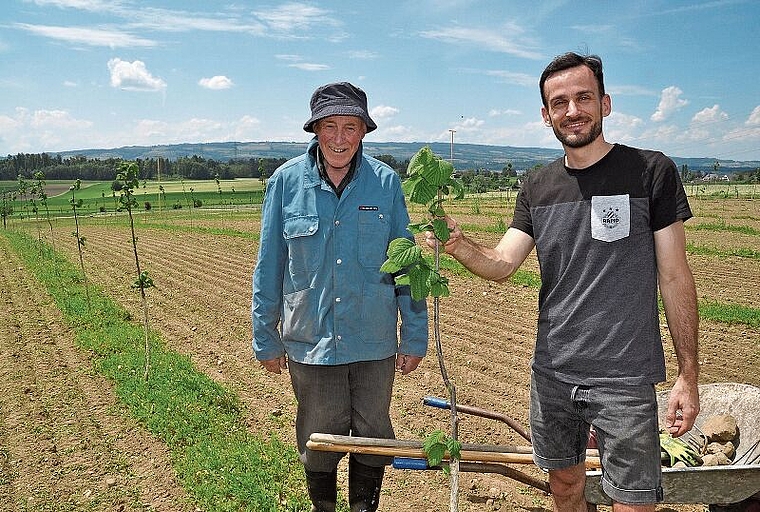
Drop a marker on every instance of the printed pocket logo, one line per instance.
(610, 217)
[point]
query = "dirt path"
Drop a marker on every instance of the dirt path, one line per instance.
(65, 444)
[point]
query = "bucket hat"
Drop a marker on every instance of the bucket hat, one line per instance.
(339, 99)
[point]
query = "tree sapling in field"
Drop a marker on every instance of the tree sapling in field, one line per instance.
(430, 182)
(76, 203)
(129, 181)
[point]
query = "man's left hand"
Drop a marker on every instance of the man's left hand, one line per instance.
(683, 407)
(406, 364)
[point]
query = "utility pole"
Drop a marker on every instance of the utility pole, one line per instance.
(452, 132)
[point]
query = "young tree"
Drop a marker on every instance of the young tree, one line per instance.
(129, 181)
(75, 205)
(430, 182)
(39, 190)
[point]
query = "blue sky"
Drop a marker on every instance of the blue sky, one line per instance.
(74, 74)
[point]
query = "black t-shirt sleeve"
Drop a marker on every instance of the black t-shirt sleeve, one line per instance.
(668, 197)
(522, 219)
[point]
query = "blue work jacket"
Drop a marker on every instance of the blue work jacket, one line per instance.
(318, 292)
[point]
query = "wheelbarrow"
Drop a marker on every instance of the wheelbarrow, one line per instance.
(729, 488)
(718, 486)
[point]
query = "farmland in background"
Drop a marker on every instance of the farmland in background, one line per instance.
(201, 260)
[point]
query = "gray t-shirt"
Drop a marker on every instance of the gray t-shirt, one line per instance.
(598, 317)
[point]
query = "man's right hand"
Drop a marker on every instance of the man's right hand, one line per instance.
(455, 236)
(275, 365)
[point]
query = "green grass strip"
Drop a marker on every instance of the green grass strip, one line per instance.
(220, 463)
(729, 313)
(712, 251)
(723, 227)
(203, 230)
(144, 221)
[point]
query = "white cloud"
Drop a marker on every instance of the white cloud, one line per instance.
(166, 20)
(398, 132)
(709, 115)
(216, 83)
(299, 20)
(383, 112)
(308, 66)
(90, 36)
(507, 112)
(41, 130)
(669, 103)
(151, 131)
(490, 40)
(510, 77)
(754, 117)
(133, 76)
(86, 5)
(621, 127)
(363, 55)
(620, 120)
(468, 126)
(289, 58)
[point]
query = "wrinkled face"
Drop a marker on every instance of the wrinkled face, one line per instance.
(339, 138)
(575, 107)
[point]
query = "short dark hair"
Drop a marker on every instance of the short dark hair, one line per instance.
(571, 60)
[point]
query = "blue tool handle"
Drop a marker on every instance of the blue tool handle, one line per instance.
(409, 463)
(436, 402)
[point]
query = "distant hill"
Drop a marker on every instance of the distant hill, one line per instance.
(466, 156)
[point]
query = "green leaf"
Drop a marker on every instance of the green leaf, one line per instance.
(143, 281)
(454, 447)
(458, 187)
(403, 252)
(445, 170)
(428, 173)
(408, 184)
(390, 267)
(418, 281)
(435, 447)
(402, 280)
(436, 208)
(439, 285)
(423, 191)
(420, 227)
(441, 230)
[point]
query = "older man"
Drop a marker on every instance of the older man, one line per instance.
(321, 307)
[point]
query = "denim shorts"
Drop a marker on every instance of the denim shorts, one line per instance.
(348, 399)
(625, 421)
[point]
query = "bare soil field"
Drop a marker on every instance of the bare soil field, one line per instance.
(62, 434)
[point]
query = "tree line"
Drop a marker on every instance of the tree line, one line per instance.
(94, 169)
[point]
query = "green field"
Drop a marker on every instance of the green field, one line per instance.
(97, 196)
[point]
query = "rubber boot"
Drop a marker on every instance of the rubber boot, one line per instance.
(364, 484)
(323, 490)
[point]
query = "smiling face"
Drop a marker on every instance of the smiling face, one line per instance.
(339, 138)
(575, 107)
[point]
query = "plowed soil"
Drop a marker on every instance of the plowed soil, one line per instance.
(65, 439)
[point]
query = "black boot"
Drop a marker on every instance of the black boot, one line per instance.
(364, 484)
(323, 490)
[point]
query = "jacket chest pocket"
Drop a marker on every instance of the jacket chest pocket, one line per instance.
(304, 247)
(374, 231)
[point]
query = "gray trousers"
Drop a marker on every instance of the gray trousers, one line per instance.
(349, 399)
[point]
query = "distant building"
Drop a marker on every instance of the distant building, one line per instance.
(715, 177)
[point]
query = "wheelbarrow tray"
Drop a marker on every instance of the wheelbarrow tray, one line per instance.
(708, 484)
